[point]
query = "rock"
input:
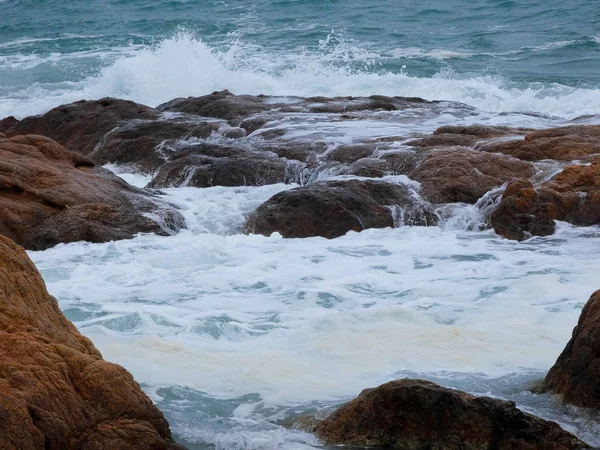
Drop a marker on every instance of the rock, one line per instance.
(7, 123)
(444, 140)
(241, 169)
(464, 175)
(331, 209)
(419, 415)
(572, 196)
(221, 104)
(563, 144)
(56, 391)
(351, 153)
(49, 195)
(81, 125)
(576, 373)
(147, 145)
(481, 131)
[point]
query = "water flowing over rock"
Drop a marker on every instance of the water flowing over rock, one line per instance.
(56, 391)
(81, 125)
(464, 175)
(331, 209)
(419, 415)
(576, 373)
(49, 195)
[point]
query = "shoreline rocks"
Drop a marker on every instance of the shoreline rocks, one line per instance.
(56, 391)
(49, 195)
(417, 415)
(576, 374)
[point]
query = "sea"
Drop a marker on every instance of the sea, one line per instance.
(232, 335)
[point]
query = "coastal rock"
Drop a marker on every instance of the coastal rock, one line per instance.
(331, 209)
(50, 195)
(56, 391)
(572, 196)
(563, 144)
(7, 123)
(464, 175)
(240, 168)
(576, 373)
(418, 415)
(147, 145)
(481, 131)
(80, 126)
(351, 153)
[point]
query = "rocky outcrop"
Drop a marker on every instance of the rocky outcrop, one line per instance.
(464, 175)
(331, 209)
(7, 123)
(576, 374)
(562, 144)
(49, 195)
(56, 391)
(572, 196)
(419, 415)
(80, 126)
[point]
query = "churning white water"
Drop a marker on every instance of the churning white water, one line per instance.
(229, 333)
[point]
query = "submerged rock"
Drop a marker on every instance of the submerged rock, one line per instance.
(49, 195)
(331, 209)
(576, 373)
(80, 126)
(464, 175)
(56, 391)
(419, 415)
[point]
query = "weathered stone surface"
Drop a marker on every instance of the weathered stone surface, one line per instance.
(464, 175)
(50, 195)
(331, 209)
(351, 153)
(576, 373)
(572, 196)
(56, 391)
(239, 169)
(419, 415)
(7, 123)
(147, 145)
(563, 144)
(81, 125)
(481, 131)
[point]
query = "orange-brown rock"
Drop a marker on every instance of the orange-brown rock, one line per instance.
(49, 195)
(572, 196)
(56, 391)
(464, 175)
(564, 144)
(80, 126)
(576, 373)
(419, 415)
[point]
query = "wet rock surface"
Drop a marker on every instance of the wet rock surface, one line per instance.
(331, 209)
(49, 195)
(56, 391)
(576, 373)
(418, 415)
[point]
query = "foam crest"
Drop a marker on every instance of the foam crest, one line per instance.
(185, 66)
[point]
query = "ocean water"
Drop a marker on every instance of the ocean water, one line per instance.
(229, 333)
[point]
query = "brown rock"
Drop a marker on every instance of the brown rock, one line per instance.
(147, 145)
(56, 391)
(80, 126)
(463, 175)
(7, 123)
(331, 209)
(576, 373)
(481, 131)
(49, 195)
(564, 144)
(351, 153)
(419, 415)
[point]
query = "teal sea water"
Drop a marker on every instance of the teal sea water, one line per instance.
(533, 55)
(230, 334)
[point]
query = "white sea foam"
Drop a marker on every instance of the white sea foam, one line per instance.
(184, 66)
(294, 321)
